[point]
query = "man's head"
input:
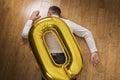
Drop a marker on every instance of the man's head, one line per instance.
(54, 10)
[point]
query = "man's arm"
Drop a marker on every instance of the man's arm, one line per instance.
(28, 25)
(26, 29)
(87, 35)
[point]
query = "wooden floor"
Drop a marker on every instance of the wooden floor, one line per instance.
(102, 17)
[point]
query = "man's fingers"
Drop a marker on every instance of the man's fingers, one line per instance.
(36, 12)
(95, 59)
(38, 17)
(35, 15)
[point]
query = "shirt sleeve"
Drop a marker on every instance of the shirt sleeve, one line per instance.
(26, 29)
(85, 33)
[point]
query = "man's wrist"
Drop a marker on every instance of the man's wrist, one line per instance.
(94, 52)
(31, 19)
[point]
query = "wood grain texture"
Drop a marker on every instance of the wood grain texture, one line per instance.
(101, 17)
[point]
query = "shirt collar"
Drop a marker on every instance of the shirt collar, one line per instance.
(55, 15)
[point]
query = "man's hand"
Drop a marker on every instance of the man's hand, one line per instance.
(95, 58)
(35, 15)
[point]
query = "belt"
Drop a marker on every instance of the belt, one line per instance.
(57, 54)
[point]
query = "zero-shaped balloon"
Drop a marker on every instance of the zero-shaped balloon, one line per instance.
(50, 69)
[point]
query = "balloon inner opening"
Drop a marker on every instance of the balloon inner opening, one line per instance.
(54, 47)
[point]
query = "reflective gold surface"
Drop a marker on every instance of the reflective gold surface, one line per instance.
(50, 69)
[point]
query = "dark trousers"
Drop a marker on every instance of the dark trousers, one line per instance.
(59, 58)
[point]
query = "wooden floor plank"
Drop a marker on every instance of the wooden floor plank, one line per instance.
(102, 17)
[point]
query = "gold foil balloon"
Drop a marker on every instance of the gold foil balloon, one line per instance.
(50, 69)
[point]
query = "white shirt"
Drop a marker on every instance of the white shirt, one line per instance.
(52, 42)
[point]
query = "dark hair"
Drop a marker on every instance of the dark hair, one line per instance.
(56, 10)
